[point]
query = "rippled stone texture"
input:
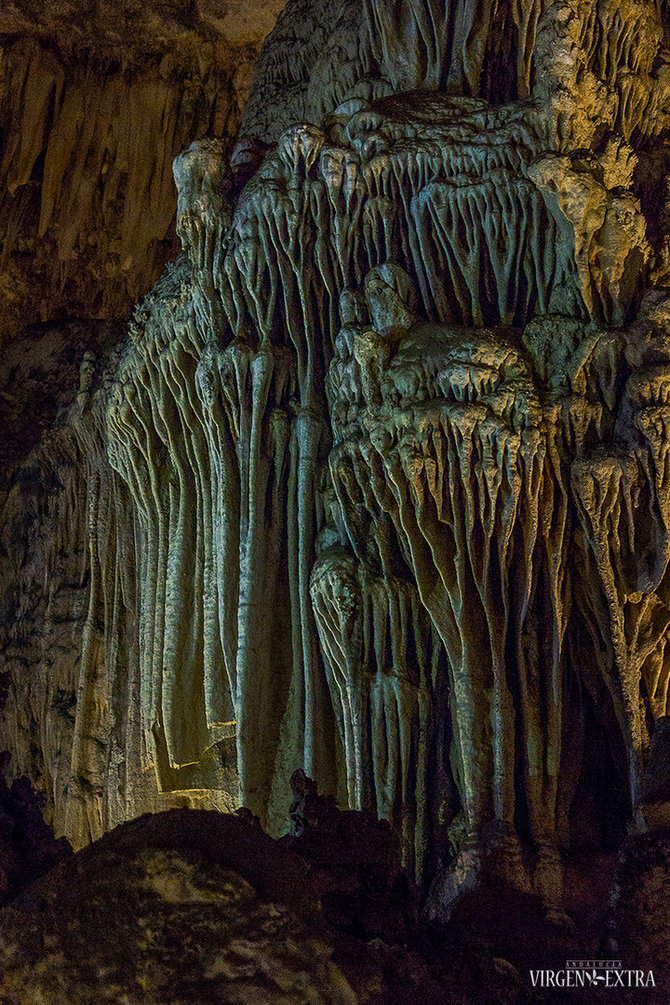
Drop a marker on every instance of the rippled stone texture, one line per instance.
(377, 483)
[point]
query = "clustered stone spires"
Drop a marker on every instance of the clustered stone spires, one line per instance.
(388, 462)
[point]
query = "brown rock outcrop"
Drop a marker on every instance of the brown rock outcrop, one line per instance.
(95, 104)
(167, 908)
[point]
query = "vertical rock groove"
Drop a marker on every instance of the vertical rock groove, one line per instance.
(377, 484)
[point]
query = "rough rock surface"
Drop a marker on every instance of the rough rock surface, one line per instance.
(191, 906)
(178, 907)
(27, 845)
(638, 921)
(377, 483)
(356, 868)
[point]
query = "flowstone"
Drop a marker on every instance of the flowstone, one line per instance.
(391, 442)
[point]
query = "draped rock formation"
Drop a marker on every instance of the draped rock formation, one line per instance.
(95, 104)
(377, 484)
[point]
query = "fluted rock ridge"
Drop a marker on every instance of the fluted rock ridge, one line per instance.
(377, 483)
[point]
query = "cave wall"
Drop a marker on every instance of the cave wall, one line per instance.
(95, 103)
(375, 483)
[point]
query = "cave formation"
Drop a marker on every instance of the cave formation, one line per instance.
(375, 482)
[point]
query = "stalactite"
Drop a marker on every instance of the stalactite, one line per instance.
(378, 483)
(88, 145)
(381, 661)
(617, 493)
